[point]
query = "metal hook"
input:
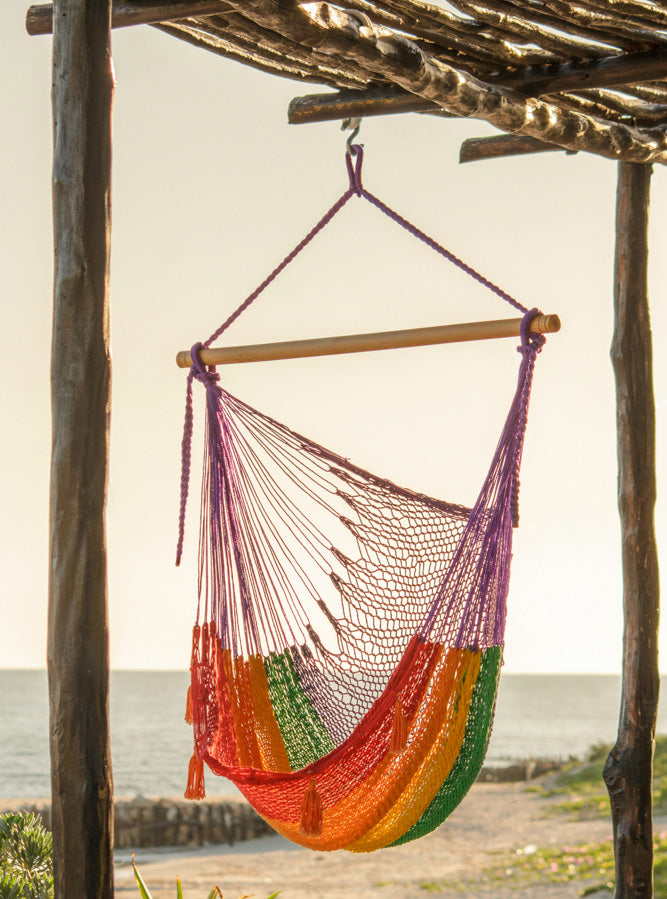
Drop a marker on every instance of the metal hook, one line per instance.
(354, 125)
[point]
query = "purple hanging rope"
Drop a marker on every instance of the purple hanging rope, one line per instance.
(209, 378)
(354, 173)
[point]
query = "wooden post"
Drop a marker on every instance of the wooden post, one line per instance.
(628, 770)
(78, 660)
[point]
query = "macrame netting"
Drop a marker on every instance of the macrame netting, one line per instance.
(349, 631)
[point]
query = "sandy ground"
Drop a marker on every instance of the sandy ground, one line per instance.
(492, 818)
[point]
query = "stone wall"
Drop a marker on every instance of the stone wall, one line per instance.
(527, 770)
(142, 823)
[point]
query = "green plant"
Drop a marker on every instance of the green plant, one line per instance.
(583, 790)
(214, 894)
(26, 858)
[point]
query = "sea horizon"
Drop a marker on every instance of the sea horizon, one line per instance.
(504, 671)
(538, 716)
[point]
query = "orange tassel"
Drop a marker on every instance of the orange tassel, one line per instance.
(195, 786)
(399, 733)
(311, 812)
(189, 717)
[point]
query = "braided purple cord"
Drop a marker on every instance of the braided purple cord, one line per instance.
(207, 378)
(434, 245)
(323, 222)
(186, 456)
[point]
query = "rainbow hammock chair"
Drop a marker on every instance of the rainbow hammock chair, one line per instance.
(349, 632)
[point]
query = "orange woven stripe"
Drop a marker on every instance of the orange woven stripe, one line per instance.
(270, 742)
(240, 696)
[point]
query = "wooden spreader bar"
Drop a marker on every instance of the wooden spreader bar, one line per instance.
(363, 343)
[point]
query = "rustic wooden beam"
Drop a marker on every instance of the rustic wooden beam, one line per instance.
(352, 104)
(532, 81)
(259, 57)
(392, 57)
(78, 657)
(614, 106)
(501, 145)
(364, 343)
(39, 19)
(610, 71)
(514, 20)
(628, 770)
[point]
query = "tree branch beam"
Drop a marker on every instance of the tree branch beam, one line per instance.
(565, 17)
(353, 104)
(502, 145)
(612, 71)
(396, 59)
(39, 19)
(613, 106)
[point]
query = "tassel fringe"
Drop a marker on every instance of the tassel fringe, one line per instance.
(189, 717)
(311, 812)
(399, 733)
(195, 787)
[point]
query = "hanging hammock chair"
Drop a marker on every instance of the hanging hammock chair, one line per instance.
(349, 632)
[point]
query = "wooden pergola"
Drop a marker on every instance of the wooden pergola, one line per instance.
(552, 76)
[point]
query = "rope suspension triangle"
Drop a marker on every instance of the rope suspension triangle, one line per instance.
(349, 631)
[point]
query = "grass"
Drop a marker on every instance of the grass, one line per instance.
(591, 864)
(584, 792)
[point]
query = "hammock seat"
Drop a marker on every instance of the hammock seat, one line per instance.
(349, 632)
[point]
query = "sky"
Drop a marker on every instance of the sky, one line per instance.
(211, 189)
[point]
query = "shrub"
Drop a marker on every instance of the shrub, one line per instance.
(26, 858)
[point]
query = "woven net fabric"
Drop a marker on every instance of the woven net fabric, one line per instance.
(349, 631)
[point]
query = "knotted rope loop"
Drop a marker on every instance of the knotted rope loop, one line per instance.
(206, 376)
(531, 345)
(354, 168)
(530, 342)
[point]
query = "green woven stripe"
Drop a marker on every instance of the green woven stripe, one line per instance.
(303, 733)
(471, 755)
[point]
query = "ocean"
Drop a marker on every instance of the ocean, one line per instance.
(537, 716)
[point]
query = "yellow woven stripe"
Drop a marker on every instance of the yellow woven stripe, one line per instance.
(348, 822)
(269, 739)
(452, 713)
